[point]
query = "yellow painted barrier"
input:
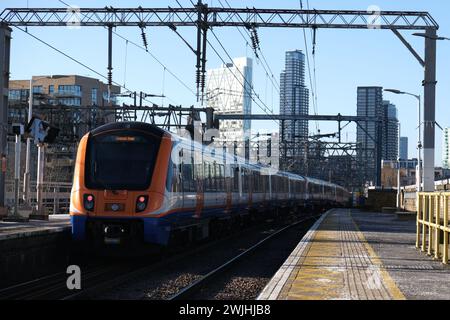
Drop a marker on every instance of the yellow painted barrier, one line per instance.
(432, 224)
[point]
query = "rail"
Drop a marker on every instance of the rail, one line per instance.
(432, 224)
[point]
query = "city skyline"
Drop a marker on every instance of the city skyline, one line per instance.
(344, 60)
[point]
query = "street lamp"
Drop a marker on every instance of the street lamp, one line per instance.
(423, 35)
(419, 136)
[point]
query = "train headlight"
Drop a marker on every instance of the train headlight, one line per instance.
(88, 202)
(141, 203)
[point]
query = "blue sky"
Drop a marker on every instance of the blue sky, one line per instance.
(345, 59)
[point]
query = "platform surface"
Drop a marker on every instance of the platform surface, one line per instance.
(13, 230)
(351, 254)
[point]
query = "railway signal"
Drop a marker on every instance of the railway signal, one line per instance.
(41, 131)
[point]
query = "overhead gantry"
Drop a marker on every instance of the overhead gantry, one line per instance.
(203, 17)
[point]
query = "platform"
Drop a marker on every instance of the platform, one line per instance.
(13, 230)
(351, 254)
(32, 249)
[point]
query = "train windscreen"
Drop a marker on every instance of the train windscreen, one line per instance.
(122, 160)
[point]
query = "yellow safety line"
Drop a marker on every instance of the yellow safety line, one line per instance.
(394, 291)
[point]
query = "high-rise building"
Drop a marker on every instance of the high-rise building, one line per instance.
(404, 148)
(370, 104)
(389, 142)
(229, 90)
(378, 140)
(294, 100)
(446, 149)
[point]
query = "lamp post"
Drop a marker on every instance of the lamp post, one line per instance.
(419, 136)
(398, 168)
(424, 35)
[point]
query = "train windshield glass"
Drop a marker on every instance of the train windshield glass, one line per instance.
(120, 161)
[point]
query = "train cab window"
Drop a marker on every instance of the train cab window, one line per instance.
(120, 160)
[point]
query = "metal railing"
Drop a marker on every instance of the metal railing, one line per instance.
(56, 196)
(432, 224)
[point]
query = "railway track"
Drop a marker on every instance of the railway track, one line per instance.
(104, 276)
(49, 287)
(94, 278)
(191, 290)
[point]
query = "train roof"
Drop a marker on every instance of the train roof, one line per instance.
(132, 126)
(153, 129)
(291, 175)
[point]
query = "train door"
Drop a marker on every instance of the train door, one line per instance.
(251, 176)
(229, 187)
(199, 175)
(181, 179)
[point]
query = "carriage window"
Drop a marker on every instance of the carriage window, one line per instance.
(188, 178)
(235, 178)
(173, 181)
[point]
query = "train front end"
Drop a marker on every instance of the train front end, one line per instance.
(119, 183)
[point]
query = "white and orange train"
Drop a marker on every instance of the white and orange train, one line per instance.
(135, 182)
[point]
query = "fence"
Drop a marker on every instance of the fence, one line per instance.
(56, 196)
(432, 224)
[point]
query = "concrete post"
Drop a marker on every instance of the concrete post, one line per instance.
(26, 177)
(5, 46)
(40, 180)
(429, 110)
(17, 150)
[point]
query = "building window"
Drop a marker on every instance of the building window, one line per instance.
(73, 90)
(112, 98)
(51, 89)
(70, 101)
(18, 95)
(37, 89)
(94, 96)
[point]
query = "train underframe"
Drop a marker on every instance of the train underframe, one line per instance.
(180, 229)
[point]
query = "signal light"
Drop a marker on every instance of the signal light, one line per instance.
(141, 203)
(88, 202)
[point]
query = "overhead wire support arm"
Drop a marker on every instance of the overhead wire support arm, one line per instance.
(174, 29)
(409, 47)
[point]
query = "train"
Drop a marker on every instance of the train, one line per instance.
(135, 182)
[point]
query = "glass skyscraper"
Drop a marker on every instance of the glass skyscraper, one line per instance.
(376, 141)
(404, 148)
(229, 90)
(294, 100)
(390, 132)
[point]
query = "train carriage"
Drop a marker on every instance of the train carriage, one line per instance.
(135, 182)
